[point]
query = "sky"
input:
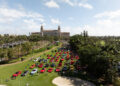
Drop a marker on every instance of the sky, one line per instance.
(98, 17)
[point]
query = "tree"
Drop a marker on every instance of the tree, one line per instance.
(10, 54)
(26, 47)
(3, 54)
(100, 60)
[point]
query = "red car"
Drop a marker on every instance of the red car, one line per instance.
(60, 64)
(58, 57)
(57, 53)
(57, 70)
(72, 62)
(17, 74)
(50, 70)
(72, 58)
(56, 60)
(48, 55)
(77, 57)
(40, 66)
(31, 67)
(62, 59)
(78, 67)
(51, 60)
(48, 58)
(43, 70)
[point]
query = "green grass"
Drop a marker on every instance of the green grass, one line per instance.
(44, 79)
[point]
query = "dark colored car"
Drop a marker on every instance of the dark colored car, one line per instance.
(64, 69)
(40, 60)
(25, 73)
(46, 65)
(52, 65)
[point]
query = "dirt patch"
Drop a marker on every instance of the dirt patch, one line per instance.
(2, 85)
(68, 81)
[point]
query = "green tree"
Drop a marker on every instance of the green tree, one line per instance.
(26, 47)
(10, 54)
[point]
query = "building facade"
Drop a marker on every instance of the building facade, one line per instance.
(51, 32)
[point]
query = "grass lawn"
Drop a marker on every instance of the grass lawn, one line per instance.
(44, 79)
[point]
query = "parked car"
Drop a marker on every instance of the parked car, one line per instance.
(42, 70)
(40, 60)
(62, 59)
(57, 70)
(64, 68)
(56, 60)
(35, 60)
(16, 74)
(33, 71)
(46, 65)
(50, 70)
(52, 65)
(60, 64)
(72, 67)
(25, 73)
(48, 57)
(45, 60)
(40, 65)
(31, 67)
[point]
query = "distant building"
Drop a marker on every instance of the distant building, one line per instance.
(51, 32)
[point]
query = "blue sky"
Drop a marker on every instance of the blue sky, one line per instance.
(98, 17)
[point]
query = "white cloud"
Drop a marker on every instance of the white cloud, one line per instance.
(69, 2)
(82, 3)
(19, 21)
(108, 14)
(107, 23)
(9, 15)
(85, 5)
(55, 21)
(31, 24)
(52, 4)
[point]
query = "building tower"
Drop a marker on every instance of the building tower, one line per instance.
(59, 31)
(42, 30)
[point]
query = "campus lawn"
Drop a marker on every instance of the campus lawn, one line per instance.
(40, 79)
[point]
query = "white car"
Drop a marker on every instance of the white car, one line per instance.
(33, 71)
(35, 60)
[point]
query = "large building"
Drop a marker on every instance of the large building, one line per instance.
(51, 32)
